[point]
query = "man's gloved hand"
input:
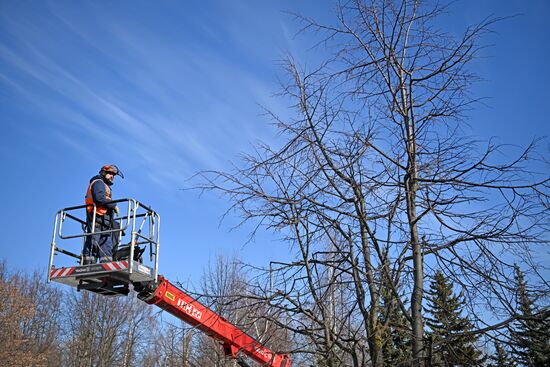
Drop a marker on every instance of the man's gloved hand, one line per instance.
(117, 211)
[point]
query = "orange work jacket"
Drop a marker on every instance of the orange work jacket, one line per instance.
(100, 209)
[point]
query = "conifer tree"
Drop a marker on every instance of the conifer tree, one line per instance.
(450, 346)
(531, 333)
(500, 358)
(397, 337)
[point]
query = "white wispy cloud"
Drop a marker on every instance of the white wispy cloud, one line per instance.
(173, 104)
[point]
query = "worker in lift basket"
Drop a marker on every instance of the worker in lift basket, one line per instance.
(99, 193)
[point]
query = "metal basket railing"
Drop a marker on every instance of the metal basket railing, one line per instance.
(140, 234)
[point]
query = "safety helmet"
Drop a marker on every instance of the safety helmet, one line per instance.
(111, 168)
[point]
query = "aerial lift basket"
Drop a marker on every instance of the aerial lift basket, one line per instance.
(140, 226)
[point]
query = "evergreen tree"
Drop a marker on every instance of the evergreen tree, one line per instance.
(450, 347)
(500, 358)
(396, 347)
(531, 333)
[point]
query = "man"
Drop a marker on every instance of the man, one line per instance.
(99, 193)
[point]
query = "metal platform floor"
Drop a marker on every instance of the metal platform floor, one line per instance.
(110, 278)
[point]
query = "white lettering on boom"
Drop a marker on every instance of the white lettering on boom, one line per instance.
(189, 309)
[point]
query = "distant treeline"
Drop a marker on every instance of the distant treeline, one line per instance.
(46, 325)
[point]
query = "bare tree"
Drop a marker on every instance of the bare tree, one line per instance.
(43, 329)
(226, 289)
(138, 332)
(27, 328)
(102, 331)
(18, 323)
(171, 345)
(379, 184)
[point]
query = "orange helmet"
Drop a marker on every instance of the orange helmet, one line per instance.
(110, 168)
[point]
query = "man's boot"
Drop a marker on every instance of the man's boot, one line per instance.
(88, 260)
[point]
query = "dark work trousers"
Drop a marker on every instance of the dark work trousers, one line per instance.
(98, 246)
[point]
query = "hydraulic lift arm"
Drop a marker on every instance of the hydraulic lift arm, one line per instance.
(173, 300)
(114, 278)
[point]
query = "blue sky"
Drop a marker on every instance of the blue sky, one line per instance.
(166, 89)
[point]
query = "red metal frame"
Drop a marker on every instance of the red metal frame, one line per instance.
(173, 300)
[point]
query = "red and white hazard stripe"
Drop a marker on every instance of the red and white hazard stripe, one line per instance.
(115, 265)
(61, 272)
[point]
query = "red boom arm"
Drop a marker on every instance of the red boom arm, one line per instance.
(173, 300)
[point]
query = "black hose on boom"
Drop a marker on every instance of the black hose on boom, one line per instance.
(242, 362)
